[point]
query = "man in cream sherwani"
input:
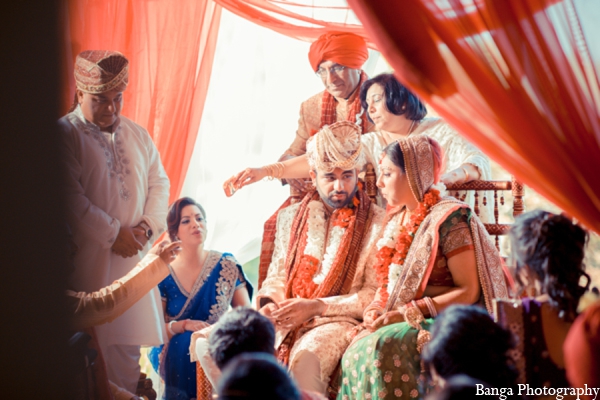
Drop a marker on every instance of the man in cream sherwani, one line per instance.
(117, 193)
(321, 276)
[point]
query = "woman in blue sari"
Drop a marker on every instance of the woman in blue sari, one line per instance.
(201, 286)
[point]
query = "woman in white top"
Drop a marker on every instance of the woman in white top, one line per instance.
(397, 113)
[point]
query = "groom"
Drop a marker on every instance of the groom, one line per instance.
(320, 277)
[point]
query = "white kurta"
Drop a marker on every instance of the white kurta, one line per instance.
(457, 150)
(112, 180)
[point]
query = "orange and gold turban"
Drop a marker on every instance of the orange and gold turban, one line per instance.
(98, 71)
(346, 49)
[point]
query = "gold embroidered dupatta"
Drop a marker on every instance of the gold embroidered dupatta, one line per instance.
(420, 259)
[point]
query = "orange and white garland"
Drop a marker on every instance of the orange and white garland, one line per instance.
(309, 276)
(395, 243)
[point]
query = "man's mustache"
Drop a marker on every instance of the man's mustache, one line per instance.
(336, 193)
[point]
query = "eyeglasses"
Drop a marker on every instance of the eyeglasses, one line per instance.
(336, 69)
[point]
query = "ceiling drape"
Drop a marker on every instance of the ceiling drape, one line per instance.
(170, 45)
(515, 77)
(300, 19)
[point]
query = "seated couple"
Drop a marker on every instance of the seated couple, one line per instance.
(340, 265)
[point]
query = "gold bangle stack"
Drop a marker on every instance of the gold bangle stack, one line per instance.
(275, 171)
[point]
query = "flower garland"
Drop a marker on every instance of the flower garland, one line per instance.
(394, 245)
(307, 279)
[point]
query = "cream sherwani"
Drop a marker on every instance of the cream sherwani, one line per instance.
(114, 180)
(327, 336)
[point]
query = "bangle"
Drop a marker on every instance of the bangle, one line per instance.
(431, 307)
(422, 306)
(274, 170)
(466, 173)
(170, 328)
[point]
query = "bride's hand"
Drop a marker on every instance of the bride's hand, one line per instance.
(390, 317)
(241, 179)
(370, 317)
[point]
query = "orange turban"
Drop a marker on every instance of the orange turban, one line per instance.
(346, 49)
(98, 71)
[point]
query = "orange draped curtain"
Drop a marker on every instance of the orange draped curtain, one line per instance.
(300, 19)
(515, 77)
(170, 45)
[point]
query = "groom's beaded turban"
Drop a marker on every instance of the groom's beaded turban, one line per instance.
(336, 146)
(99, 71)
(346, 49)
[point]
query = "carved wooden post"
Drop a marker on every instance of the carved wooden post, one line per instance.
(371, 182)
(518, 191)
(496, 206)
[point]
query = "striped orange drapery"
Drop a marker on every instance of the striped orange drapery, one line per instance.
(517, 78)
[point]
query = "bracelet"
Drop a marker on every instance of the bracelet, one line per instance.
(170, 328)
(427, 307)
(432, 310)
(422, 306)
(269, 171)
(275, 170)
(466, 173)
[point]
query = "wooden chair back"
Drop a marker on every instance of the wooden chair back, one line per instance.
(480, 188)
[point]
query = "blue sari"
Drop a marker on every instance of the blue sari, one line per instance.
(209, 298)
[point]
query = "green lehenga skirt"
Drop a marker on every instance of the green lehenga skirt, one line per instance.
(384, 365)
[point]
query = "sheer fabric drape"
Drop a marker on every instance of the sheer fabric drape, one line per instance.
(300, 19)
(517, 78)
(170, 45)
